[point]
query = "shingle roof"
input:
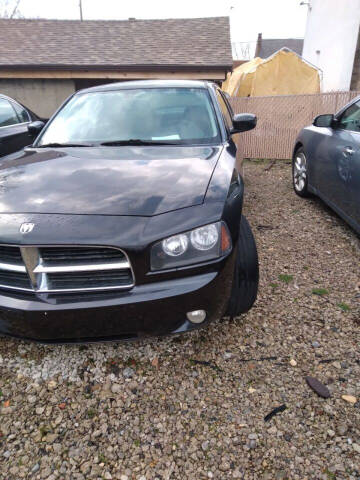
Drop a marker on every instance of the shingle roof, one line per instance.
(199, 42)
(272, 45)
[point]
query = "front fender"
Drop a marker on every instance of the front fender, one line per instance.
(226, 189)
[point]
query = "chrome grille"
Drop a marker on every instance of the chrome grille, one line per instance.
(81, 280)
(74, 255)
(64, 269)
(10, 255)
(16, 280)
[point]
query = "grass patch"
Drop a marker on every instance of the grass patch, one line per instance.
(330, 475)
(44, 430)
(319, 291)
(102, 458)
(274, 285)
(285, 278)
(91, 413)
(344, 307)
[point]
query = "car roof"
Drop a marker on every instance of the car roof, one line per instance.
(149, 84)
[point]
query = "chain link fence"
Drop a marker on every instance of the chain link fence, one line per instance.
(280, 118)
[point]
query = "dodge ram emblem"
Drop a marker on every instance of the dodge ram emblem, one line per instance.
(26, 228)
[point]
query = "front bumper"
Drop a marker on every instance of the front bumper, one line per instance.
(155, 308)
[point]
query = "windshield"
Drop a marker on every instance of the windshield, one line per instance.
(172, 115)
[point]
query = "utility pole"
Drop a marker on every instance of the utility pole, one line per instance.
(81, 13)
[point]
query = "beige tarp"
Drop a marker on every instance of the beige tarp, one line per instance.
(284, 73)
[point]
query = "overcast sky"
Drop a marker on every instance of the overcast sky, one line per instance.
(274, 18)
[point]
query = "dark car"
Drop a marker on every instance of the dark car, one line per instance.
(326, 162)
(14, 123)
(124, 217)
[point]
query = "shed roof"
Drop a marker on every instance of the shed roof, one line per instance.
(125, 44)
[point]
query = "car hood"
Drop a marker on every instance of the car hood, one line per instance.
(126, 180)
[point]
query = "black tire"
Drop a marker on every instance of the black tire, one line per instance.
(300, 184)
(246, 275)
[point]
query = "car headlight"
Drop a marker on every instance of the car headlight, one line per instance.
(199, 245)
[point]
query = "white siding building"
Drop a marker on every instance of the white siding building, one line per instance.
(331, 41)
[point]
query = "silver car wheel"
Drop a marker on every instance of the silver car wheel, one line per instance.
(300, 172)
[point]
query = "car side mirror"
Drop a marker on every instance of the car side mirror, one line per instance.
(243, 122)
(327, 120)
(34, 128)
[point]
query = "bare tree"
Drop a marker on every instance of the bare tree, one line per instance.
(81, 11)
(10, 9)
(243, 50)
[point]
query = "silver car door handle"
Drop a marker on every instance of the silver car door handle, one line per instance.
(349, 150)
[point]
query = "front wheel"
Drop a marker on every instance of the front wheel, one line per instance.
(246, 275)
(300, 173)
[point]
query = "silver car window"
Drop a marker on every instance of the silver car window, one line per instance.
(7, 114)
(350, 119)
(21, 112)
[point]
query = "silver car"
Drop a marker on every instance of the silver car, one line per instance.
(326, 162)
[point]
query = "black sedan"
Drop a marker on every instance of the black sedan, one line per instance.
(123, 219)
(326, 162)
(14, 122)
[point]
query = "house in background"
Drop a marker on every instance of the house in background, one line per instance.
(42, 62)
(267, 47)
(263, 48)
(332, 42)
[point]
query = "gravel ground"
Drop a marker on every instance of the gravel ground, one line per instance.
(193, 407)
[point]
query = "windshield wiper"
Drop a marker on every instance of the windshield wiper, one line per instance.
(135, 141)
(64, 145)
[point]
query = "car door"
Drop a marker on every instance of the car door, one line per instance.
(14, 120)
(348, 130)
(336, 153)
(355, 184)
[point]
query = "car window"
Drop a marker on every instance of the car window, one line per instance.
(225, 110)
(7, 114)
(21, 112)
(226, 97)
(176, 115)
(350, 119)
